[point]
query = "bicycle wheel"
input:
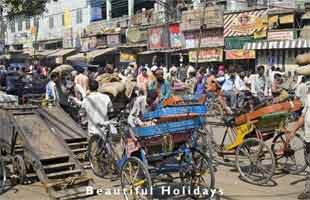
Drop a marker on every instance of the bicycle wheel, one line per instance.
(255, 161)
(3, 176)
(198, 173)
(99, 157)
(19, 168)
(292, 159)
(135, 180)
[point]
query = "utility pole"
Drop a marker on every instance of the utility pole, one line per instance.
(202, 22)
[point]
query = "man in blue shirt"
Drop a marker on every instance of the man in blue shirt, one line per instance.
(161, 85)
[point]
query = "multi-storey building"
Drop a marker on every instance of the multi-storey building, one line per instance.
(62, 23)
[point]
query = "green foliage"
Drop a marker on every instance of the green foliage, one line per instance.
(26, 8)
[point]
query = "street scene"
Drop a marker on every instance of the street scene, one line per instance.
(155, 99)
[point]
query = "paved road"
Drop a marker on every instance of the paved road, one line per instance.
(284, 187)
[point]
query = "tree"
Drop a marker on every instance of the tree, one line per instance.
(23, 8)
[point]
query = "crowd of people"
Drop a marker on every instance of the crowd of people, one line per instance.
(155, 84)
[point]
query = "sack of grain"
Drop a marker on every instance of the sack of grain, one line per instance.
(305, 70)
(303, 59)
(113, 89)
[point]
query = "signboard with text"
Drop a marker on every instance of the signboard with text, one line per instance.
(239, 54)
(207, 55)
(281, 35)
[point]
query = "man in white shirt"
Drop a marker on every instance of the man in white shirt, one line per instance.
(97, 106)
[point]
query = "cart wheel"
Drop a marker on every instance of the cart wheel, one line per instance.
(291, 160)
(99, 157)
(135, 180)
(198, 173)
(19, 168)
(255, 161)
(3, 176)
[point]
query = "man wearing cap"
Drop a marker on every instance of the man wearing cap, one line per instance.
(160, 85)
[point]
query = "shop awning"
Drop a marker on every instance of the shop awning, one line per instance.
(281, 44)
(30, 52)
(91, 55)
(148, 52)
(61, 53)
(161, 51)
(78, 57)
(100, 52)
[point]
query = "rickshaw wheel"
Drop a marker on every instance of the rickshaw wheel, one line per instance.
(198, 174)
(292, 160)
(255, 161)
(99, 157)
(19, 168)
(3, 176)
(135, 180)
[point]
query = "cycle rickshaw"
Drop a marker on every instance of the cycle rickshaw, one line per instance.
(165, 151)
(247, 137)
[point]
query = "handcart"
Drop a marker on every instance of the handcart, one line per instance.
(246, 137)
(37, 151)
(166, 151)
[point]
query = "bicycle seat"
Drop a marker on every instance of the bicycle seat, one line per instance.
(229, 121)
(106, 124)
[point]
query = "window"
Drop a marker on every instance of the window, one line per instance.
(27, 23)
(63, 19)
(20, 25)
(51, 22)
(12, 26)
(79, 16)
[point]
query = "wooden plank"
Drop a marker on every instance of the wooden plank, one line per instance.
(39, 137)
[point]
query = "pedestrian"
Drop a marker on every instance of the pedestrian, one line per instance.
(213, 87)
(98, 106)
(259, 85)
(304, 121)
(51, 90)
(229, 87)
(161, 85)
(81, 82)
(200, 81)
(191, 82)
(143, 80)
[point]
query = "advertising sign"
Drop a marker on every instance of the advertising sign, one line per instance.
(245, 23)
(281, 35)
(210, 38)
(158, 38)
(128, 57)
(207, 55)
(175, 36)
(239, 54)
(113, 40)
(191, 19)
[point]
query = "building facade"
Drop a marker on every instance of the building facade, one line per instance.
(60, 26)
